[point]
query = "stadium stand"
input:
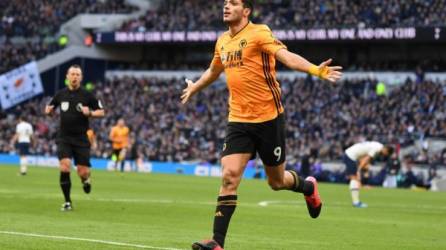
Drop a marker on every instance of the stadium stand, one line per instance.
(328, 117)
(28, 29)
(284, 14)
(27, 18)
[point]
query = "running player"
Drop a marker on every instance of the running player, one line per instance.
(247, 54)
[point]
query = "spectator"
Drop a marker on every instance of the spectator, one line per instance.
(189, 14)
(328, 118)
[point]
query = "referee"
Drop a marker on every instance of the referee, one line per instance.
(76, 107)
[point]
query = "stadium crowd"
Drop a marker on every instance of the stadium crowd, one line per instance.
(325, 118)
(30, 18)
(287, 14)
(28, 29)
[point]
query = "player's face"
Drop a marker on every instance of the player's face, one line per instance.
(121, 123)
(234, 11)
(74, 77)
(385, 152)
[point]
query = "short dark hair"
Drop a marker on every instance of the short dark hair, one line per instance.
(390, 149)
(76, 66)
(248, 4)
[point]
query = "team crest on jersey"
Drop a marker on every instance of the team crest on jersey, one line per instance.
(64, 106)
(79, 107)
(243, 43)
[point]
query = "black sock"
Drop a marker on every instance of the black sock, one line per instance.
(65, 184)
(301, 185)
(225, 208)
(121, 164)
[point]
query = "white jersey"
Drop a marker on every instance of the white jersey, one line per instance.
(358, 150)
(24, 131)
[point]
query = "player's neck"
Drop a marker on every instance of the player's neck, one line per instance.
(72, 88)
(237, 27)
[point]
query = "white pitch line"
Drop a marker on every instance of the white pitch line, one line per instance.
(345, 204)
(87, 240)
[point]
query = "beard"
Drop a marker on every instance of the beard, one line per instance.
(233, 20)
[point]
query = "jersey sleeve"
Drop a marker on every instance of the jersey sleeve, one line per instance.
(216, 60)
(268, 42)
(94, 103)
(55, 101)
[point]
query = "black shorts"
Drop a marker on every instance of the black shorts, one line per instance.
(23, 148)
(80, 154)
(266, 138)
(351, 167)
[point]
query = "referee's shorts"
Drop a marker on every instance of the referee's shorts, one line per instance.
(80, 155)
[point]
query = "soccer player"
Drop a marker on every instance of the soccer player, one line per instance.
(358, 157)
(76, 107)
(247, 54)
(119, 135)
(23, 137)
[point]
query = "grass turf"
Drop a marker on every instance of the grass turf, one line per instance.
(171, 211)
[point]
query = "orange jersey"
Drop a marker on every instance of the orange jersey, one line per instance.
(119, 137)
(249, 62)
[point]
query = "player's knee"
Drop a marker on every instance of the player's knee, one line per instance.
(82, 171)
(229, 179)
(275, 185)
(65, 165)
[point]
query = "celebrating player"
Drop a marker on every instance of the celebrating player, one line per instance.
(247, 54)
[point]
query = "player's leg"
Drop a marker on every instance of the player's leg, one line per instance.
(65, 153)
(270, 145)
(121, 159)
(281, 179)
(238, 149)
(115, 158)
(23, 152)
(232, 172)
(351, 170)
(82, 160)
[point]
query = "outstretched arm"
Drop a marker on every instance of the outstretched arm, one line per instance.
(208, 77)
(296, 62)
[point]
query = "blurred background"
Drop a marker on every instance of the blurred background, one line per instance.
(135, 55)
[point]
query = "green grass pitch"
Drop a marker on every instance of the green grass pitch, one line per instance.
(152, 211)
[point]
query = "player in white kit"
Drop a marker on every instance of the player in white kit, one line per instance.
(358, 157)
(23, 138)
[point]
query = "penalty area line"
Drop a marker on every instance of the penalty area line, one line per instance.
(86, 240)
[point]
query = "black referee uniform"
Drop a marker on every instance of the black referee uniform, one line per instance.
(72, 140)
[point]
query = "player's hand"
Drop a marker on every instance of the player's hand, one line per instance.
(49, 109)
(188, 92)
(330, 73)
(86, 111)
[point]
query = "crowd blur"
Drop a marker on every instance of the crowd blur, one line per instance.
(28, 28)
(30, 18)
(288, 14)
(322, 119)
